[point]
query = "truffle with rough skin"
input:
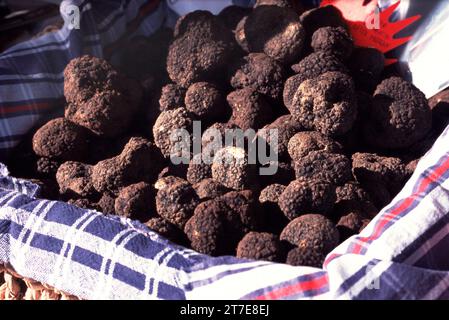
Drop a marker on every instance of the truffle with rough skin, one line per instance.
(335, 40)
(230, 168)
(137, 162)
(310, 67)
(209, 189)
(305, 256)
(332, 167)
(276, 31)
(286, 127)
(366, 66)
(62, 140)
(166, 124)
(389, 171)
(351, 197)
(165, 229)
(259, 71)
(250, 109)
(47, 167)
(214, 137)
(135, 201)
(303, 196)
(232, 15)
(212, 229)
(261, 246)
(172, 97)
(107, 203)
(205, 101)
(327, 16)
(74, 179)
(198, 169)
(305, 142)
(99, 98)
(201, 49)
(274, 218)
(243, 204)
(176, 201)
(315, 234)
(327, 104)
(399, 116)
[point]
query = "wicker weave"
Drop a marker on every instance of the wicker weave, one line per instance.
(15, 287)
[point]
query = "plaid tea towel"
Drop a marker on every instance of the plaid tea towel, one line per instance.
(400, 255)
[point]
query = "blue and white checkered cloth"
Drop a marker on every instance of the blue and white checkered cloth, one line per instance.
(400, 255)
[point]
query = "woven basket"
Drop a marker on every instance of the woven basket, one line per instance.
(15, 287)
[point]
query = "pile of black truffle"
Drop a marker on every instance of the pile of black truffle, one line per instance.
(350, 133)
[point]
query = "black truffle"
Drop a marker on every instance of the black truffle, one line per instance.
(135, 201)
(74, 179)
(230, 168)
(62, 140)
(107, 203)
(175, 201)
(261, 246)
(205, 101)
(172, 97)
(332, 167)
(198, 170)
(165, 229)
(335, 40)
(137, 162)
(250, 109)
(399, 117)
(303, 143)
(244, 205)
(303, 196)
(327, 104)
(166, 124)
(259, 71)
(276, 31)
(209, 189)
(201, 49)
(315, 234)
(47, 167)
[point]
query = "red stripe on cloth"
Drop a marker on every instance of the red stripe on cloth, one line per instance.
(296, 288)
(426, 181)
(26, 107)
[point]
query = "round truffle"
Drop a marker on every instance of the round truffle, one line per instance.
(205, 101)
(315, 234)
(61, 139)
(259, 71)
(209, 189)
(250, 109)
(335, 40)
(176, 202)
(302, 143)
(135, 202)
(261, 246)
(243, 205)
(327, 104)
(167, 124)
(276, 31)
(399, 116)
(212, 230)
(172, 97)
(198, 170)
(201, 49)
(230, 168)
(332, 167)
(74, 179)
(301, 197)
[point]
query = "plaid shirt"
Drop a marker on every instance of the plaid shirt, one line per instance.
(399, 255)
